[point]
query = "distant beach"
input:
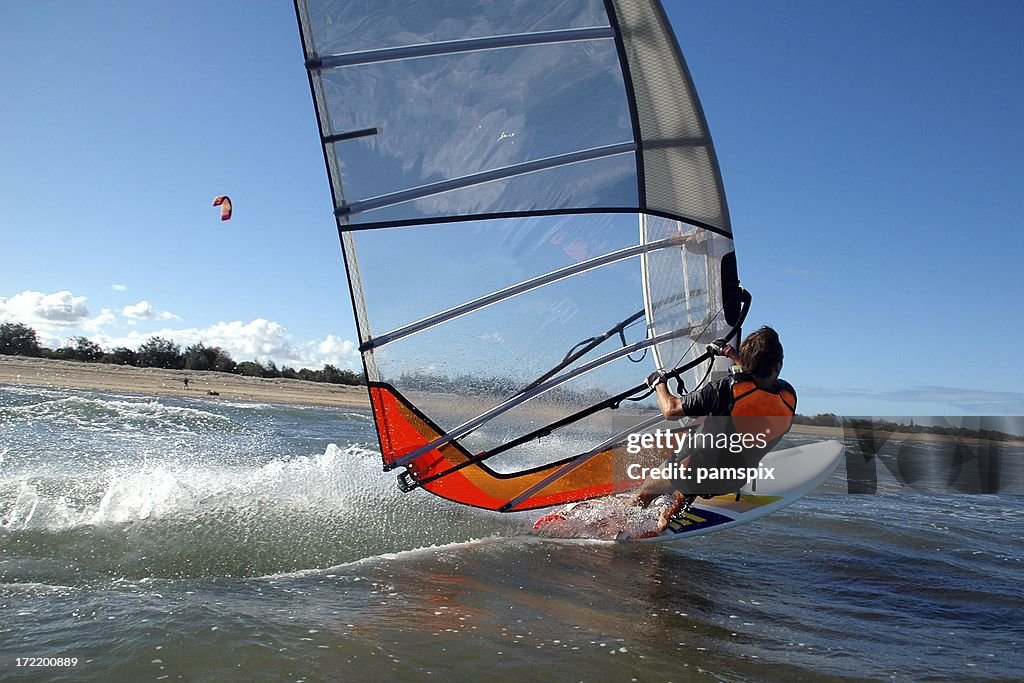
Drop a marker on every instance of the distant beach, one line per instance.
(63, 374)
(841, 433)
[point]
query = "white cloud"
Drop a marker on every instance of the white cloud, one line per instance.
(258, 339)
(95, 325)
(145, 311)
(343, 350)
(119, 288)
(59, 308)
(54, 317)
(59, 316)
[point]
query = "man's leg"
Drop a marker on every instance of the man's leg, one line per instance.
(652, 488)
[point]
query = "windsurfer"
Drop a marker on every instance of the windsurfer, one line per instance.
(752, 400)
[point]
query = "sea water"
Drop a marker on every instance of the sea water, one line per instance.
(205, 540)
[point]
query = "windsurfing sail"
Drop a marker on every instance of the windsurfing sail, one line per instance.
(532, 219)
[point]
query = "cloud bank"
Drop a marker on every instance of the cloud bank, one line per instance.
(59, 308)
(58, 317)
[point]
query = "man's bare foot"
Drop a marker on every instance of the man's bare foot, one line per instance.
(669, 511)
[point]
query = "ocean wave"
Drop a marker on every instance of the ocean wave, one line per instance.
(63, 499)
(356, 417)
(33, 588)
(398, 556)
(95, 414)
(193, 518)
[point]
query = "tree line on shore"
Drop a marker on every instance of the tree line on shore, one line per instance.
(17, 339)
(871, 425)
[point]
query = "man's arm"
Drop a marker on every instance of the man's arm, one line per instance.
(671, 405)
(707, 401)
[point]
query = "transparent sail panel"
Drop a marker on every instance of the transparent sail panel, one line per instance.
(683, 291)
(413, 94)
(609, 182)
(454, 116)
(344, 26)
(412, 273)
(466, 317)
(578, 437)
(499, 349)
(451, 402)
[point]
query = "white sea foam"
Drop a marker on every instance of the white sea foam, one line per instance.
(94, 414)
(337, 480)
(401, 555)
(178, 489)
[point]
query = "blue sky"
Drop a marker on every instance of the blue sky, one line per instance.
(871, 154)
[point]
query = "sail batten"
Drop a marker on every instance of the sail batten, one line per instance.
(457, 46)
(509, 292)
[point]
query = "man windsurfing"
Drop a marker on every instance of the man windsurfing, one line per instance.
(751, 406)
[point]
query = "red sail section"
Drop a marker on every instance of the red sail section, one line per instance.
(403, 429)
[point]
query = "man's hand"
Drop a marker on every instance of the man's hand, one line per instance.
(655, 378)
(720, 347)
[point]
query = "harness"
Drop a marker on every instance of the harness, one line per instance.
(755, 411)
(768, 412)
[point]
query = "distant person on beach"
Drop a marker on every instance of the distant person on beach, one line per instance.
(186, 383)
(752, 401)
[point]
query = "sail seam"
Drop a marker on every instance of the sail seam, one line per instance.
(533, 213)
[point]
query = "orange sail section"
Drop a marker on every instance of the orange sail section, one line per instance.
(403, 429)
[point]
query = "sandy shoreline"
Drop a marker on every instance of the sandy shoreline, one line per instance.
(840, 433)
(69, 374)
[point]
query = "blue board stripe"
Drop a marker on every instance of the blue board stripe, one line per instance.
(685, 525)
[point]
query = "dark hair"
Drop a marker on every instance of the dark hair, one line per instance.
(761, 352)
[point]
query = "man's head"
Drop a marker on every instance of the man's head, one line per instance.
(761, 354)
